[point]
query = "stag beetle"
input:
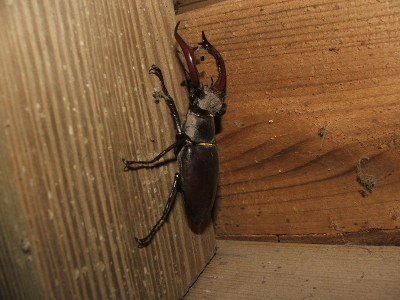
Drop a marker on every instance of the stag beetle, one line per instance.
(195, 146)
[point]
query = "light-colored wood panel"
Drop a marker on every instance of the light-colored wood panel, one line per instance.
(256, 270)
(76, 97)
(19, 278)
(182, 6)
(295, 67)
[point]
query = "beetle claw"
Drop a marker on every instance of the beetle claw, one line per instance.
(220, 85)
(189, 56)
(141, 242)
(126, 168)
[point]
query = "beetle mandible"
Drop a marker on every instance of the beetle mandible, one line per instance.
(195, 145)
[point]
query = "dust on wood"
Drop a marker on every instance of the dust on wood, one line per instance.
(367, 181)
(322, 132)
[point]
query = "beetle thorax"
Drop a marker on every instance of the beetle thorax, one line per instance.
(199, 129)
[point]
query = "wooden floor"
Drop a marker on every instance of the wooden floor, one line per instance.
(257, 270)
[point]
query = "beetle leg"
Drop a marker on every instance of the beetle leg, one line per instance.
(180, 141)
(172, 196)
(170, 101)
(146, 162)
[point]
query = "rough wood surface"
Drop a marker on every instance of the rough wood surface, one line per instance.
(183, 6)
(76, 97)
(256, 270)
(378, 237)
(313, 89)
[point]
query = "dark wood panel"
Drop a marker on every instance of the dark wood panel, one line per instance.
(294, 70)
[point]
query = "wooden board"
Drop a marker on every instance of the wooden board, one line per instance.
(76, 97)
(183, 6)
(256, 270)
(295, 69)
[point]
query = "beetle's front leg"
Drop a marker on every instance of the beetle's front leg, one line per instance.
(172, 196)
(170, 101)
(180, 135)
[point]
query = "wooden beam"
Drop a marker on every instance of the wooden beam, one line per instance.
(256, 270)
(76, 98)
(309, 145)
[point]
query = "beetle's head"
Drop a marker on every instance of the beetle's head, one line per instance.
(204, 100)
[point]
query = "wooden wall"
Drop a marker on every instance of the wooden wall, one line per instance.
(314, 90)
(76, 97)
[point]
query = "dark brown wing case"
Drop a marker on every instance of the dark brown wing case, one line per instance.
(199, 179)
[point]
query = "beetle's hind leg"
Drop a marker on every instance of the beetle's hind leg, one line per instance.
(172, 196)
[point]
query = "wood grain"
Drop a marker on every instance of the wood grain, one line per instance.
(76, 97)
(293, 69)
(255, 270)
(189, 5)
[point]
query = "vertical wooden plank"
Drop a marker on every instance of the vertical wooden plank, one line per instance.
(19, 278)
(296, 67)
(76, 97)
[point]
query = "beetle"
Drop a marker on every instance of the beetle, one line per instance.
(195, 146)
